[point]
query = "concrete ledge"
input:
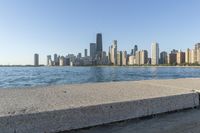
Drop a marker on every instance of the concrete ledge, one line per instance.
(60, 108)
(183, 121)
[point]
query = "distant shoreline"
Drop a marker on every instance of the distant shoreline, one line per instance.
(21, 66)
(98, 66)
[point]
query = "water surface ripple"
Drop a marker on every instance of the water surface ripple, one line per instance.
(17, 77)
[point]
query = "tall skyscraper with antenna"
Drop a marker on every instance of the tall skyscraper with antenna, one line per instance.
(99, 47)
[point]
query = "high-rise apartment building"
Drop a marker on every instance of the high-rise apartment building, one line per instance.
(85, 52)
(109, 55)
(93, 50)
(71, 58)
(49, 61)
(119, 58)
(172, 57)
(62, 61)
(36, 59)
(104, 58)
(188, 56)
(79, 55)
(143, 57)
(198, 56)
(194, 53)
(180, 57)
(155, 53)
(163, 57)
(124, 58)
(56, 60)
(113, 53)
(137, 57)
(197, 46)
(55, 57)
(132, 60)
(197, 53)
(193, 56)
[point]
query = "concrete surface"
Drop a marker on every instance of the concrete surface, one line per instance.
(186, 121)
(66, 107)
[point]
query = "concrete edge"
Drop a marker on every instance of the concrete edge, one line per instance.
(87, 116)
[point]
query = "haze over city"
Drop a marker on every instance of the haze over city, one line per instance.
(68, 27)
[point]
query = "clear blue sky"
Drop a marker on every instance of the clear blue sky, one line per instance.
(68, 26)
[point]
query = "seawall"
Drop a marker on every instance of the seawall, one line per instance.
(67, 107)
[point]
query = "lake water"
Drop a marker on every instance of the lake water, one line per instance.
(11, 77)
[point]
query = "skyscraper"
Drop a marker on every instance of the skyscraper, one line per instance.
(104, 58)
(137, 57)
(55, 57)
(109, 55)
(124, 58)
(135, 50)
(49, 61)
(72, 59)
(132, 60)
(99, 42)
(56, 60)
(197, 53)
(163, 57)
(113, 53)
(188, 56)
(119, 58)
(197, 46)
(193, 56)
(180, 57)
(99, 47)
(79, 55)
(36, 59)
(85, 52)
(172, 57)
(93, 50)
(155, 53)
(143, 57)
(62, 61)
(198, 56)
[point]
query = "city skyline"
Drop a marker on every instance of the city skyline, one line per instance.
(117, 57)
(69, 26)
